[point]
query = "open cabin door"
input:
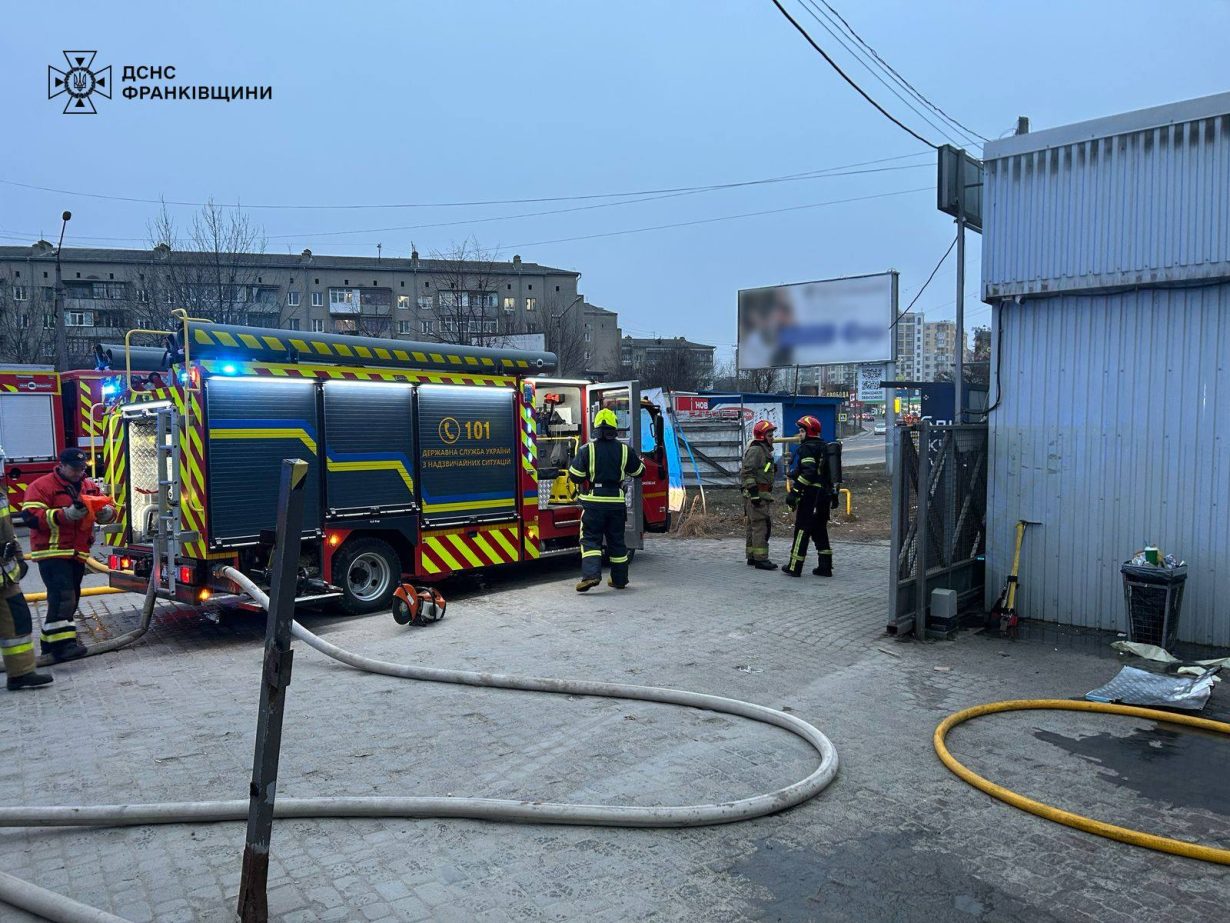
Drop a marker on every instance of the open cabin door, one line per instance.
(623, 397)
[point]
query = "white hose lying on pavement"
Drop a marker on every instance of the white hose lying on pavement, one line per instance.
(495, 809)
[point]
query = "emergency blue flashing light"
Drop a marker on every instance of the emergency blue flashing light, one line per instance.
(229, 369)
(109, 390)
(183, 378)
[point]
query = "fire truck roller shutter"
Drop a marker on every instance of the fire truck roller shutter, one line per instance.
(219, 341)
(254, 423)
(468, 453)
(369, 447)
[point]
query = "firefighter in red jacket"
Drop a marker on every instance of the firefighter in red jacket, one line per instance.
(61, 533)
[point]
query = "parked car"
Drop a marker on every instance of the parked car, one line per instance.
(881, 428)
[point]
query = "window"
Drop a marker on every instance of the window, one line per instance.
(557, 288)
(79, 318)
(344, 300)
(142, 296)
(318, 299)
(454, 300)
(23, 320)
(292, 324)
(318, 326)
(425, 326)
(403, 302)
(345, 326)
(292, 299)
(588, 336)
(48, 292)
(19, 293)
(531, 304)
(531, 286)
(424, 302)
(103, 290)
(510, 304)
(404, 327)
(587, 355)
(49, 321)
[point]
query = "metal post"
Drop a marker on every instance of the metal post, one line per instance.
(61, 332)
(959, 371)
(275, 678)
(920, 537)
(896, 450)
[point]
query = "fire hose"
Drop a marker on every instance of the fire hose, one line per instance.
(60, 908)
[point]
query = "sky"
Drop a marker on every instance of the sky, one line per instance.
(416, 102)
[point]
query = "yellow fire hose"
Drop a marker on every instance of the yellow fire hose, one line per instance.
(88, 591)
(1067, 818)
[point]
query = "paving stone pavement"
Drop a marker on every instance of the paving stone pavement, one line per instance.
(896, 837)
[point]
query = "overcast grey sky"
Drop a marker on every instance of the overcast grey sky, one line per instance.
(418, 102)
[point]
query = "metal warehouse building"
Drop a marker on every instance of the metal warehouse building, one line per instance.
(1106, 254)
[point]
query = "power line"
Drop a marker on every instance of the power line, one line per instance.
(641, 230)
(969, 132)
(815, 13)
(685, 224)
(790, 177)
(833, 64)
(918, 295)
(574, 208)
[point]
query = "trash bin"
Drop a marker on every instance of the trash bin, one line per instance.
(1153, 597)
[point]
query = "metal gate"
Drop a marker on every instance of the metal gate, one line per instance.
(941, 523)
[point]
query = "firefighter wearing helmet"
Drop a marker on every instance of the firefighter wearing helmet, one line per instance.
(756, 477)
(603, 464)
(812, 496)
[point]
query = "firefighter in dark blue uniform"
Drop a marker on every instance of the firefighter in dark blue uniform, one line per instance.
(811, 497)
(603, 464)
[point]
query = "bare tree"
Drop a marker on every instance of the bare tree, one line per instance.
(27, 315)
(468, 295)
(676, 368)
(727, 377)
(208, 270)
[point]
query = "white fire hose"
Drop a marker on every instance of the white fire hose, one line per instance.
(56, 907)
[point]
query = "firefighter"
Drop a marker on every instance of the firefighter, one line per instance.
(61, 533)
(603, 464)
(16, 638)
(812, 496)
(757, 479)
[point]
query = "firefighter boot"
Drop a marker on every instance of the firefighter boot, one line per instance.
(825, 567)
(587, 584)
(74, 651)
(29, 681)
(766, 564)
(619, 586)
(793, 571)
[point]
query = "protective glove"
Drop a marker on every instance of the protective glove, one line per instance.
(792, 500)
(833, 501)
(105, 515)
(75, 512)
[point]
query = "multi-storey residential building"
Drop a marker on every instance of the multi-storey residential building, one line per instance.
(663, 360)
(109, 291)
(909, 347)
(939, 349)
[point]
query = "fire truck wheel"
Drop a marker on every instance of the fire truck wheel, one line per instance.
(367, 570)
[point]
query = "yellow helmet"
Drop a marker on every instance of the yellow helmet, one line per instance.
(606, 417)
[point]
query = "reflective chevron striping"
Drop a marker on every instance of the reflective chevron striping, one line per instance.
(468, 548)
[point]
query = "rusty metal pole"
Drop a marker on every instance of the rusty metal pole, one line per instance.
(275, 678)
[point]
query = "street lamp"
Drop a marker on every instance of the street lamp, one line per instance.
(558, 318)
(61, 333)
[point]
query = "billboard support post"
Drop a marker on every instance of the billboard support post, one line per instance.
(959, 371)
(890, 394)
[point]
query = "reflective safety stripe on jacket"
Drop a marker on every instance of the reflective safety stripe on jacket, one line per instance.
(605, 484)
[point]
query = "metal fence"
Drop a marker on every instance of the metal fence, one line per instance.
(939, 517)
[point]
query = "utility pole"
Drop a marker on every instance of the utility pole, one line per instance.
(959, 372)
(61, 332)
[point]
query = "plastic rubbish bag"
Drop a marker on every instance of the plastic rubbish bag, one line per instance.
(1133, 686)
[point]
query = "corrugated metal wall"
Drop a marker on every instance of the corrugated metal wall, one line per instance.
(1139, 208)
(1114, 431)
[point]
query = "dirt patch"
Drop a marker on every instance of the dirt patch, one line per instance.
(721, 514)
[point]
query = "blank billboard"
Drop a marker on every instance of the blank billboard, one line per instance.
(817, 323)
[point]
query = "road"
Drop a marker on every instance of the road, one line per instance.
(864, 449)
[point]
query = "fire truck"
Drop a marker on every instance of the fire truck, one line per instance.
(31, 426)
(425, 460)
